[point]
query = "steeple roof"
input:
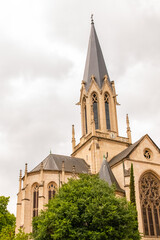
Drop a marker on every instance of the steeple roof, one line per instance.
(95, 64)
(107, 175)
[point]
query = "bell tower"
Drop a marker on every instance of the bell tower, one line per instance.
(98, 101)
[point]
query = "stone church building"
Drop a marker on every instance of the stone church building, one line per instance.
(100, 137)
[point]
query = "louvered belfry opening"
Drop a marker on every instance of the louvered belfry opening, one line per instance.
(85, 116)
(150, 204)
(95, 109)
(35, 199)
(106, 101)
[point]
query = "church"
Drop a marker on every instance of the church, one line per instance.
(100, 150)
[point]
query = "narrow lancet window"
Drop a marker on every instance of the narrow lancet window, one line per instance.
(95, 110)
(85, 116)
(150, 205)
(106, 101)
(51, 190)
(35, 199)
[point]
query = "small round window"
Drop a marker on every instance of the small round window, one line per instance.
(147, 154)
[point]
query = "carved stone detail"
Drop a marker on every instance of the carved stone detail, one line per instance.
(150, 204)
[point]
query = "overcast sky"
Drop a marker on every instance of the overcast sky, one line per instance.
(43, 47)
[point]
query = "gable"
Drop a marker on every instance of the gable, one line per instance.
(136, 151)
(146, 151)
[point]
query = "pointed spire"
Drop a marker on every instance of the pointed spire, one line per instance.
(107, 175)
(128, 129)
(95, 64)
(73, 138)
(105, 172)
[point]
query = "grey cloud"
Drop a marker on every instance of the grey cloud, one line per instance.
(16, 61)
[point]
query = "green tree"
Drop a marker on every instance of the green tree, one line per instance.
(21, 235)
(7, 220)
(8, 223)
(87, 208)
(132, 187)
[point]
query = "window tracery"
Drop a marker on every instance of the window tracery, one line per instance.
(51, 190)
(35, 199)
(95, 109)
(106, 101)
(147, 154)
(150, 204)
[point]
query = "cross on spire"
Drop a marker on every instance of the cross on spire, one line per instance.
(92, 21)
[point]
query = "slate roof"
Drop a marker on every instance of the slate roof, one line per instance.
(95, 64)
(106, 174)
(125, 153)
(54, 162)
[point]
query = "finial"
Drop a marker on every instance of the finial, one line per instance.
(92, 77)
(50, 151)
(105, 78)
(83, 83)
(128, 129)
(20, 180)
(73, 131)
(73, 138)
(92, 21)
(26, 168)
(20, 174)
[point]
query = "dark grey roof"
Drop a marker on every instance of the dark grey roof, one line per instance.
(125, 153)
(95, 64)
(106, 174)
(54, 162)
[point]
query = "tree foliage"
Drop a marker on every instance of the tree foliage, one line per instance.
(8, 223)
(87, 208)
(132, 187)
(7, 220)
(21, 235)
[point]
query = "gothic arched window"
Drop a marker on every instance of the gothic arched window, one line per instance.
(51, 190)
(150, 204)
(106, 101)
(95, 109)
(85, 115)
(35, 199)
